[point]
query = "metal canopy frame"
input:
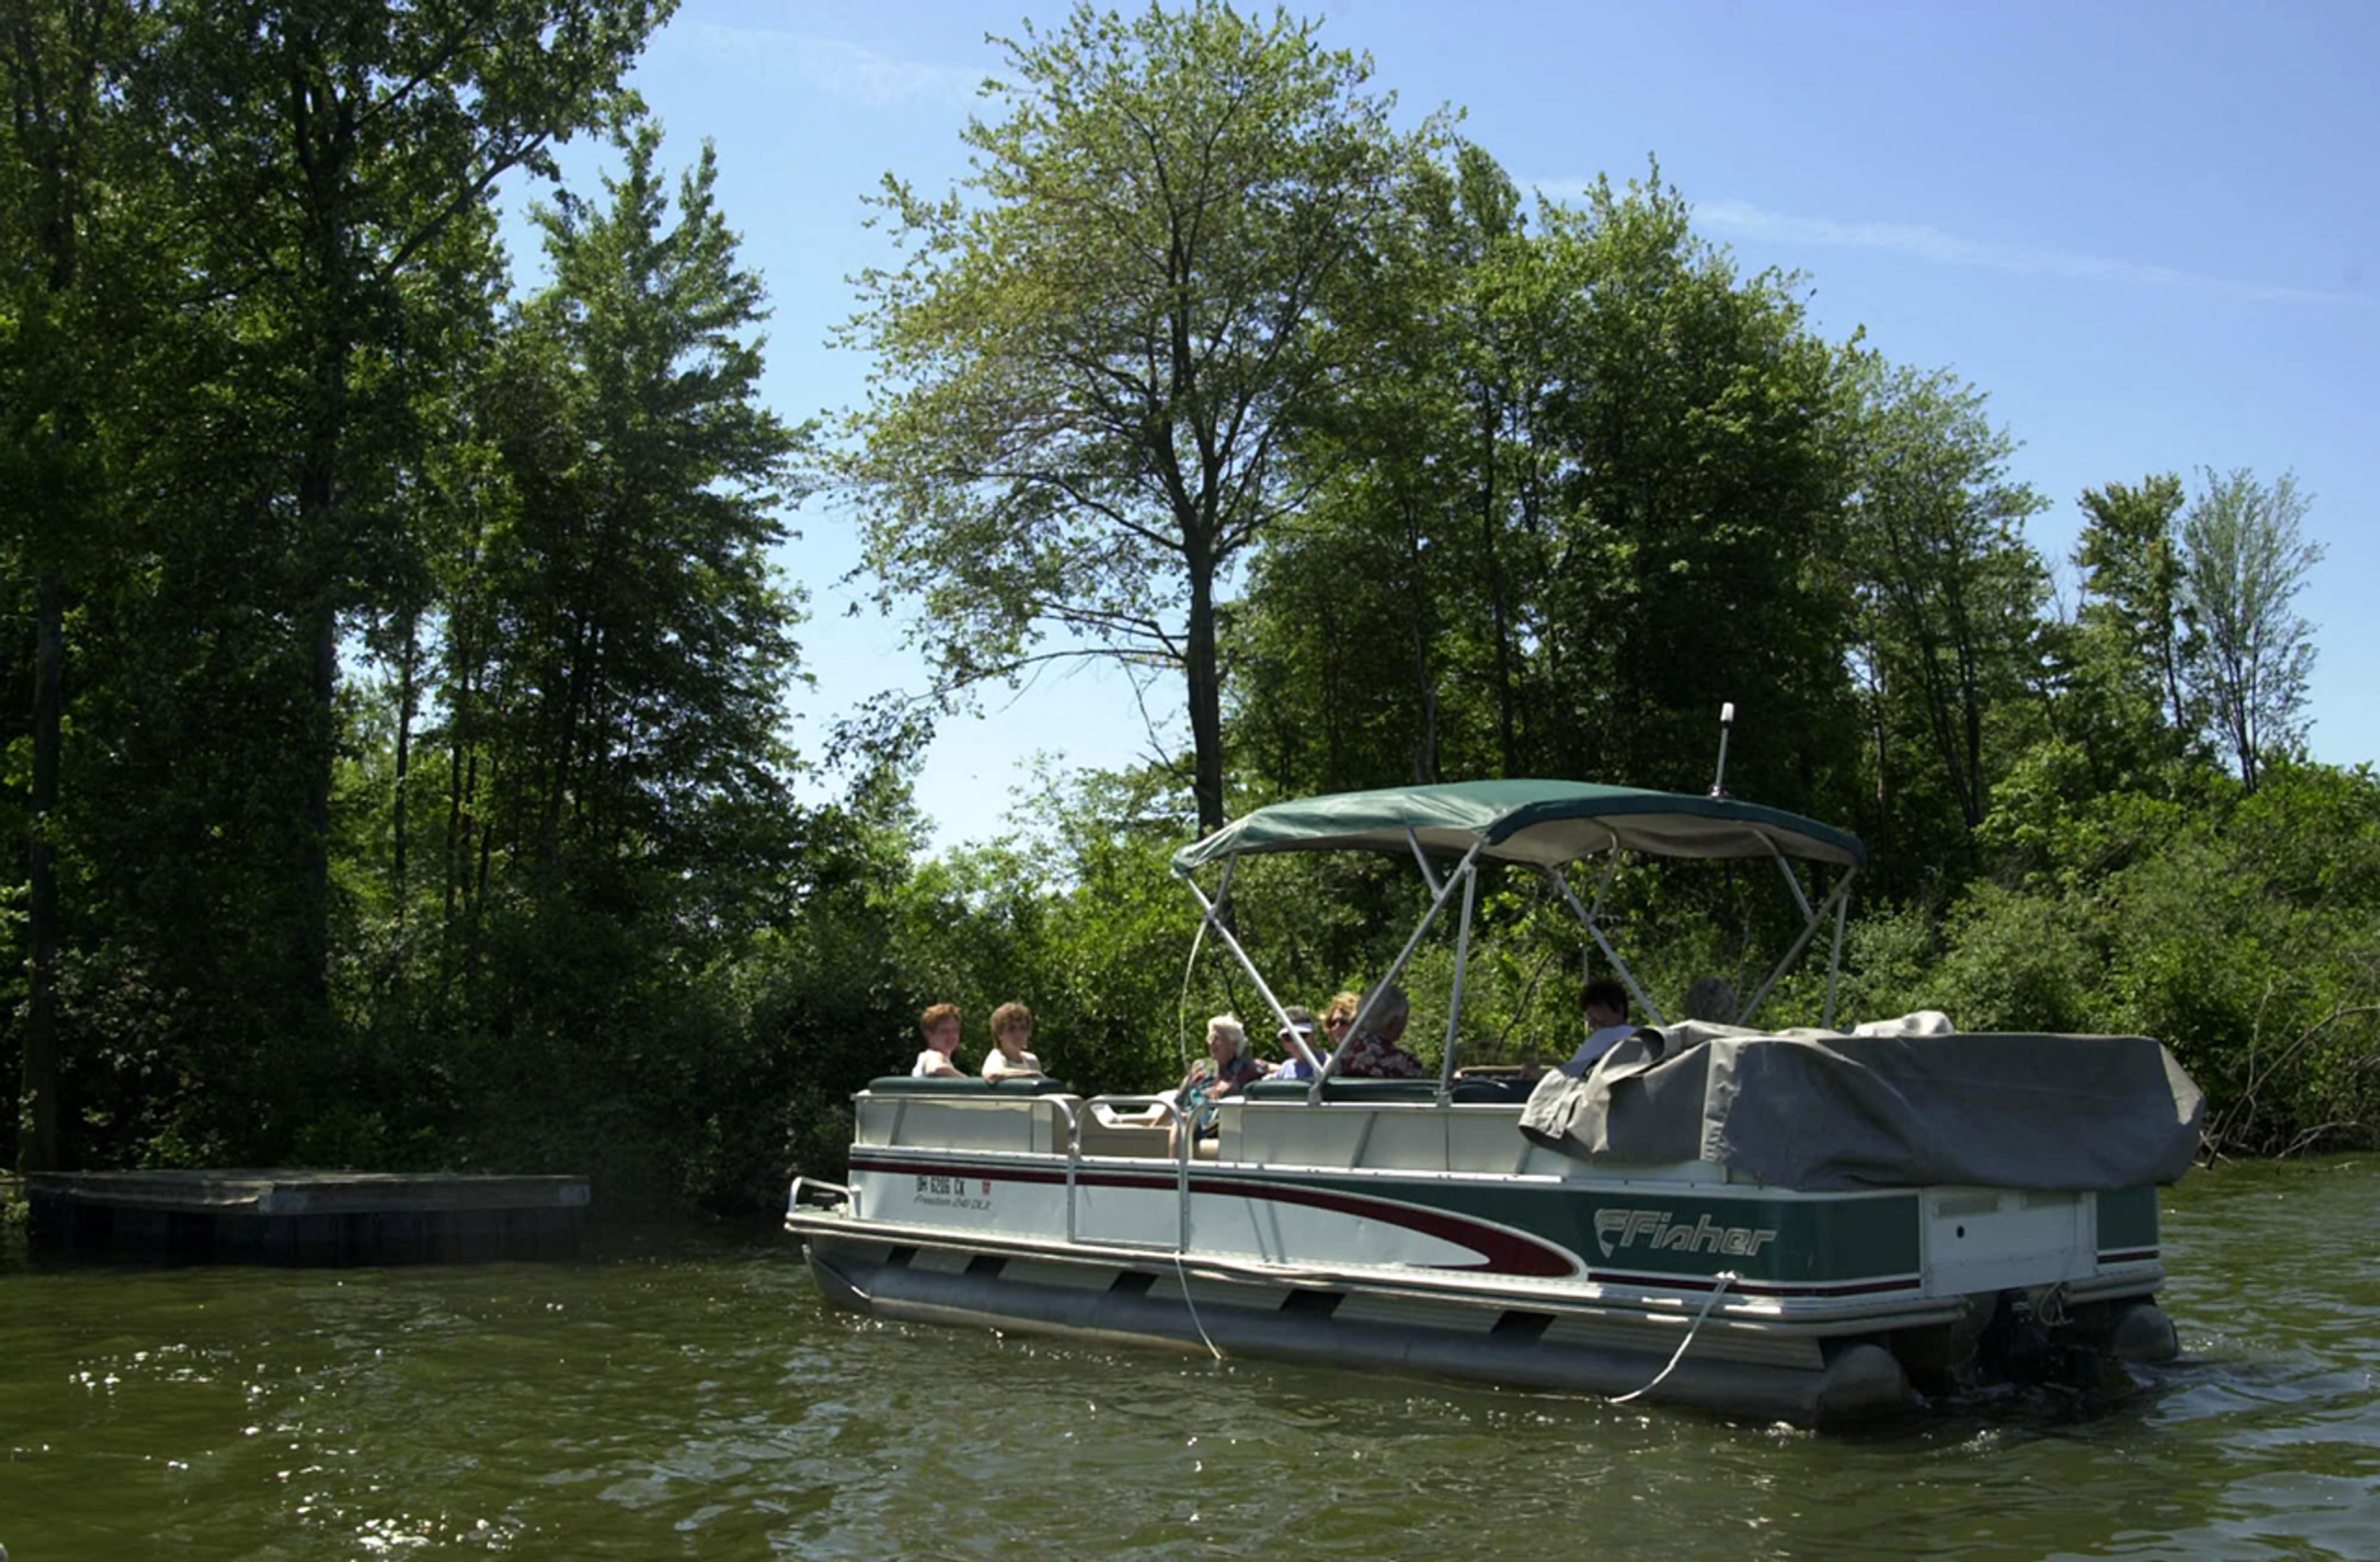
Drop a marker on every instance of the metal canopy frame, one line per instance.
(1465, 878)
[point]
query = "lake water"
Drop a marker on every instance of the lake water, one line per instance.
(693, 1398)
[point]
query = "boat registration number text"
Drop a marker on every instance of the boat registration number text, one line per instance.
(953, 1192)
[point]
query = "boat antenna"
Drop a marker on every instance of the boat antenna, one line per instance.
(1726, 724)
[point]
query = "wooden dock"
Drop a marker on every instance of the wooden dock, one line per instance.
(300, 1217)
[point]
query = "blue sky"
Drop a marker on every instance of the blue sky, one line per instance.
(2151, 232)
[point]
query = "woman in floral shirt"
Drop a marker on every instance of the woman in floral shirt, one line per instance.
(1375, 1054)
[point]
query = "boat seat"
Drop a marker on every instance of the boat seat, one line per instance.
(1465, 1092)
(1124, 1138)
(1031, 1084)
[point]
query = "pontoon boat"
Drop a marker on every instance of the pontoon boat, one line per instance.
(1806, 1224)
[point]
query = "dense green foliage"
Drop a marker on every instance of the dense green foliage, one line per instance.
(395, 708)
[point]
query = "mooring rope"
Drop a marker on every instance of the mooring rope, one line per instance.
(1191, 1302)
(1726, 1277)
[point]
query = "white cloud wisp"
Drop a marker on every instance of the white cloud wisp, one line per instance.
(844, 70)
(1921, 242)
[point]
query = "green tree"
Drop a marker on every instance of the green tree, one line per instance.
(1699, 484)
(2131, 558)
(2245, 558)
(330, 153)
(616, 666)
(78, 220)
(1581, 499)
(1384, 631)
(648, 640)
(1091, 368)
(1949, 593)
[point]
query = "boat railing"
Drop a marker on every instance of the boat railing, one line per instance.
(819, 1192)
(1073, 1153)
(1185, 1146)
(1067, 1122)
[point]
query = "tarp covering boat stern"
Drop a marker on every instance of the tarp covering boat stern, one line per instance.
(1820, 1111)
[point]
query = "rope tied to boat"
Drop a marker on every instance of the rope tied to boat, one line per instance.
(1725, 1277)
(1183, 1275)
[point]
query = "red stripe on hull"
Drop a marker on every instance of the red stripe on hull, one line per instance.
(1501, 1252)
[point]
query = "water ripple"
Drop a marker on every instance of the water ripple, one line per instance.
(694, 1399)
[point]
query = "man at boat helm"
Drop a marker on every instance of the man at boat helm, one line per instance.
(1605, 1003)
(1374, 1054)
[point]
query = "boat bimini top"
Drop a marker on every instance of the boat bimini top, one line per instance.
(1544, 825)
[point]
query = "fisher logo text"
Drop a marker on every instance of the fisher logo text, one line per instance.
(1615, 1229)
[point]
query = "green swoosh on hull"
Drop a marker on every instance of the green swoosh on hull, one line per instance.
(2128, 1220)
(1831, 1241)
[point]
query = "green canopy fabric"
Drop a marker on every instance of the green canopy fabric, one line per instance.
(1547, 823)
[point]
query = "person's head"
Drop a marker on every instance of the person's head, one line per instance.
(1299, 1029)
(1337, 1015)
(1711, 998)
(940, 1024)
(1605, 1002)
(1012, 1027)
(1226, 1037)
(1389, 1011)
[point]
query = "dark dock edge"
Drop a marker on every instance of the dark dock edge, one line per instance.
(302, 1217)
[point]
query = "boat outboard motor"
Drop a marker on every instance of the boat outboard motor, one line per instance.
(2014, 1346)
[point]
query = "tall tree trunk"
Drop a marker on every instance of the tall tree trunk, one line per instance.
(314, 872)
(2170, 663)
(458, 849)
(1425, 753)
(405, 703)
(322, 124)
(1206, 692)
(38, 1151)
(1499, 611)
(55, 131)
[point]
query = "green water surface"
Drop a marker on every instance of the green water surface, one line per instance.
(691, 1398)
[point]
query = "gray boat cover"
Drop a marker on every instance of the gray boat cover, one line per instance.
(1901, 1104)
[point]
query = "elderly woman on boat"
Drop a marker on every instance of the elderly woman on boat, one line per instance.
(1226, 1068)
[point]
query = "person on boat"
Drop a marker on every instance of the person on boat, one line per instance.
(1605, 1003)
(1711, 998)
(1298, 1059)
(1374, 1054)
(1012, 1027)
(1226, 1068)
(1337, 1015)
(940, 1025)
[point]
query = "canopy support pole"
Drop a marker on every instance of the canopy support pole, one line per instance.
(1429, 874)
(1792, 879)
(1834, 902)
(1454, 1003)
(1835, 963)
(1586, 921)
(1372, 998)
(1212, 909)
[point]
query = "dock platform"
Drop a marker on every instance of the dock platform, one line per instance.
(302, 1217)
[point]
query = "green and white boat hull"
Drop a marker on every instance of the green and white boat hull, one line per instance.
(1433, 1238)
